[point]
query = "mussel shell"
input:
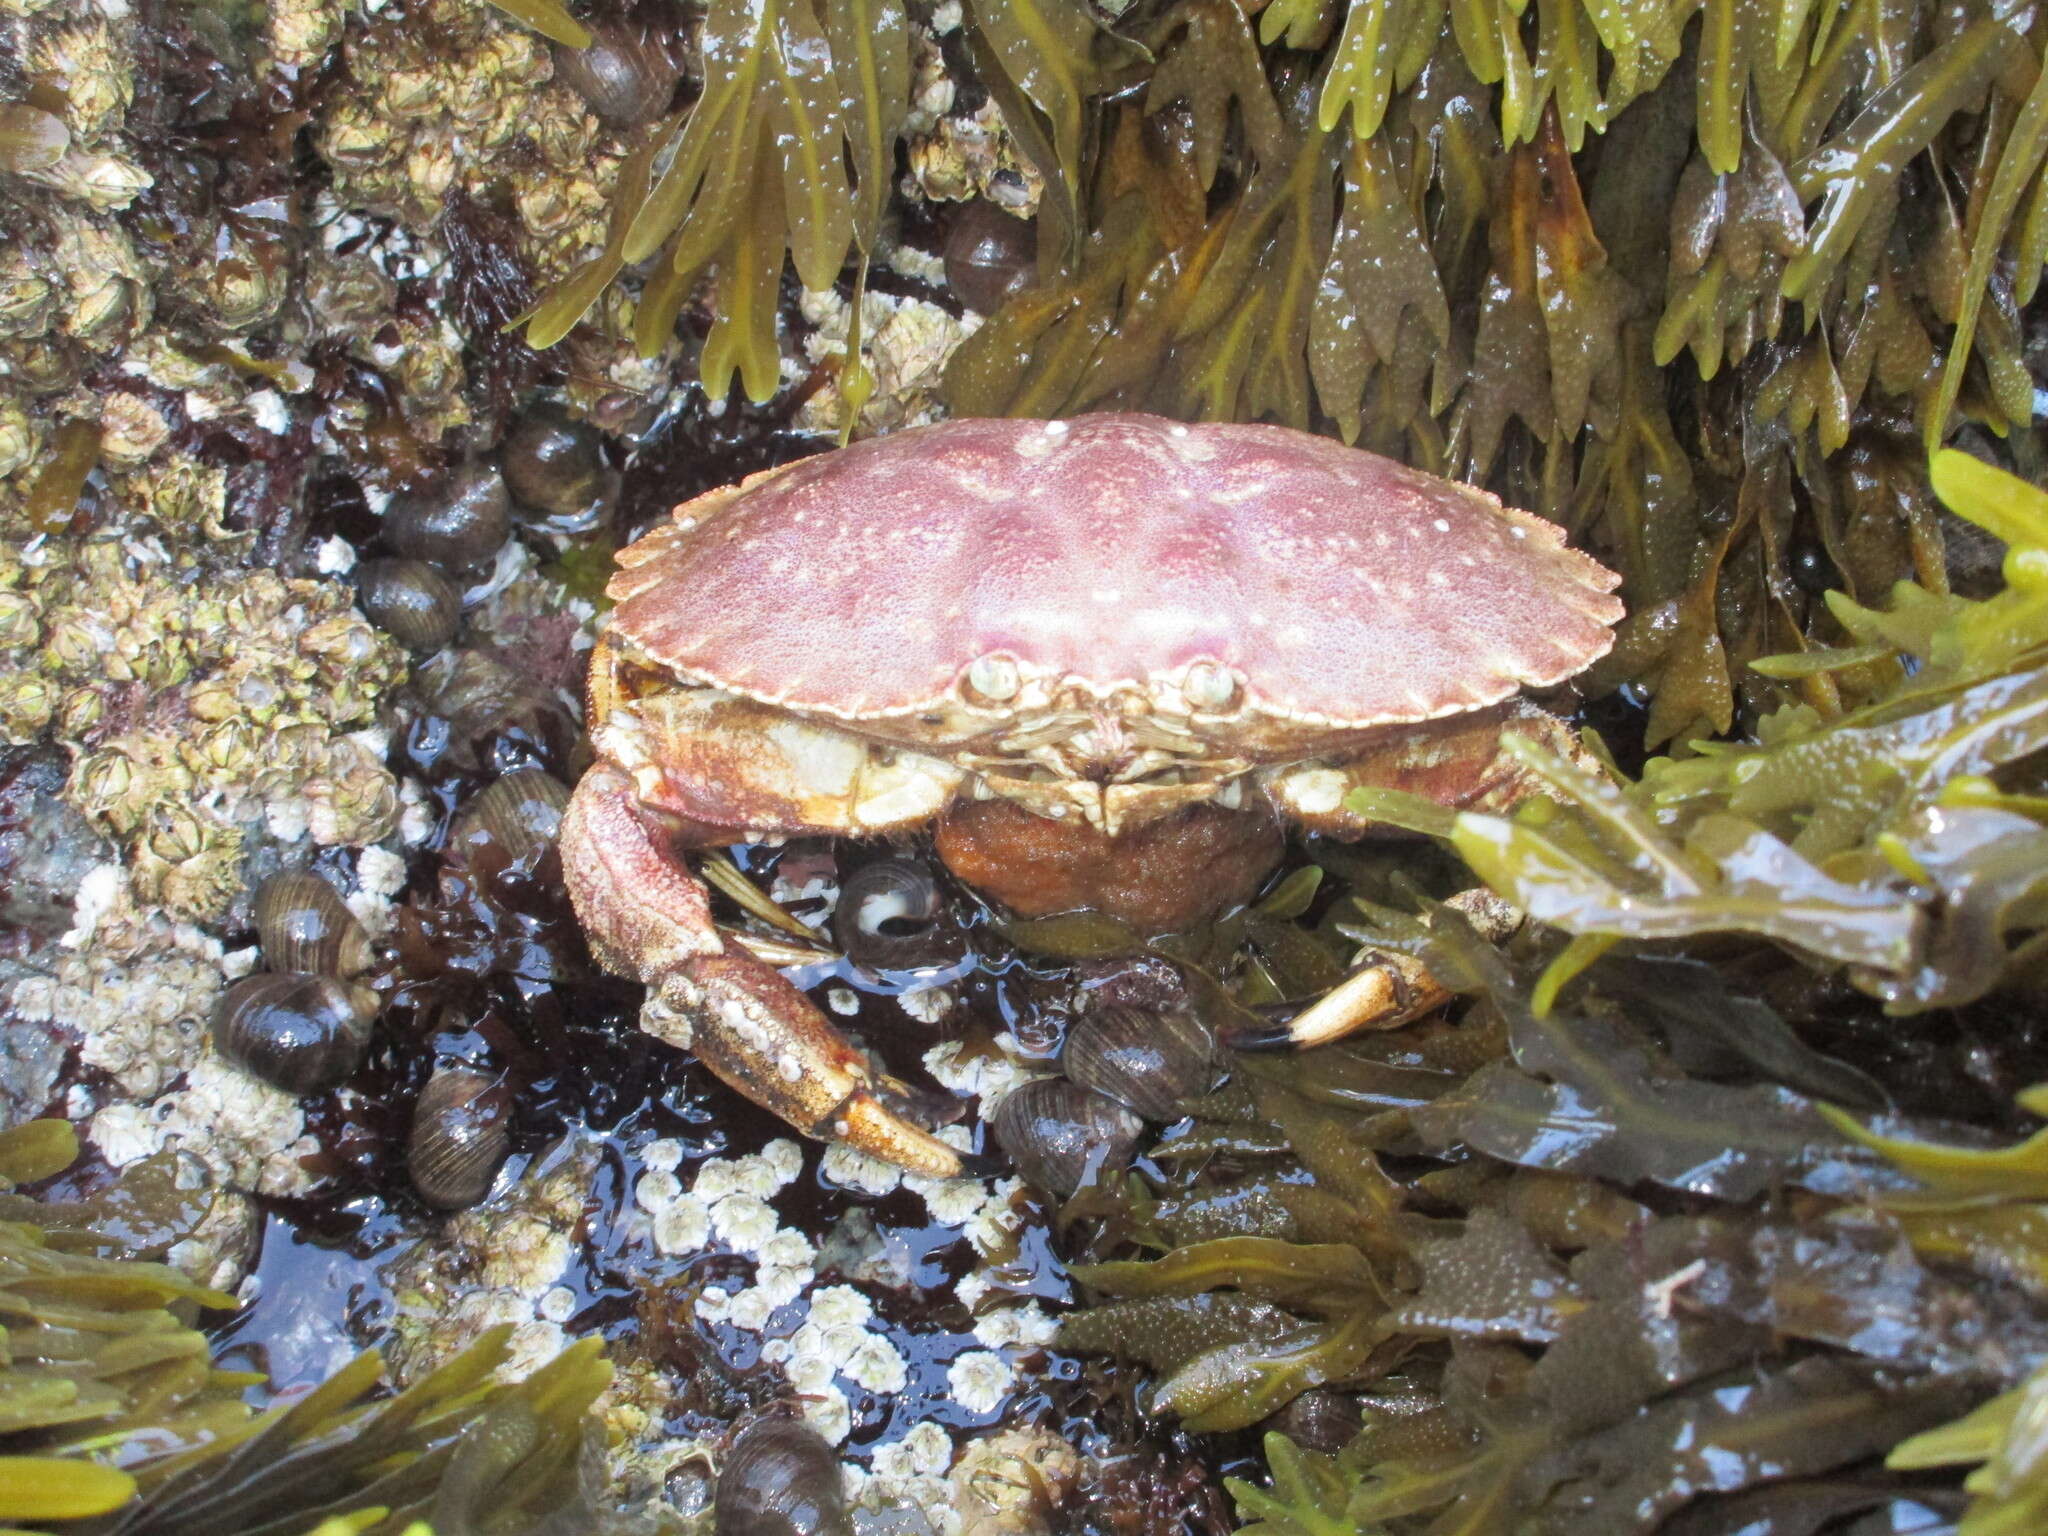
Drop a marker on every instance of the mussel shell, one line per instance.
(521, 813)
(304, 925)
(989, 255)
(892, 916)
(1149, 1059)
(554, 465)
(626, 76)
(779, 1478)
(410, 601)
(460, 1133)
(296, 1030)
(1056, 1130)
(459, 526)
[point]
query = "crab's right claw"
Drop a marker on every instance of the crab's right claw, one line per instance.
(758, 1033)
(647, 916)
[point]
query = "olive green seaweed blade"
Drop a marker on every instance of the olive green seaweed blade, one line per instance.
(1953, 1176)
(549, 19)
(60, 1488)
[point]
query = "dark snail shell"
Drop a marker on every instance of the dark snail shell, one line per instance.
(1149, 1059)
(410, 601)
(779, 1478)
(554, 465)
(892, 916)
(626, 76)
(296, 1030)
(1056, 1131)
(521, 813)
(459, 1136)
(303, 925)
(989, 255)
(459, 526)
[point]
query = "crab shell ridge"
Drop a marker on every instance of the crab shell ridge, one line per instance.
(1114, 554)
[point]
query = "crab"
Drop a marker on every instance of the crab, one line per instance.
(1108, 660)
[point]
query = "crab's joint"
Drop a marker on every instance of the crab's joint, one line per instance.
(648, 915)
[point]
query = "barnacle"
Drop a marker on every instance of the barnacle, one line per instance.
(251, 661)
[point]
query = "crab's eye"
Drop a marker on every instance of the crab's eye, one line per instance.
(994, 677)
(1208, 687)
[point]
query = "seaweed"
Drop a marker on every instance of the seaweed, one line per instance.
(788, 147)
(2001, 1440)
(1470, 234)
(114, 1419)
(549, 18)
(788, 152)
(1871, 835)
(1488, 1460)
(1981, 1205)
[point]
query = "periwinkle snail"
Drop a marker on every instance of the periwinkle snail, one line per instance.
(303, 925)
(779, 1478)
(1057, 1132)
(296, 1030)
(554, 467)
(460, 1133)
(626, 75)
(411, 601)
(1148, 1059)
(459, 526)
(521, 813)
(989, 255)
(892, 916)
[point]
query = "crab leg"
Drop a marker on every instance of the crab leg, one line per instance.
(648, 916)
(1459, 763)
(1386, 988)
(1463, 765)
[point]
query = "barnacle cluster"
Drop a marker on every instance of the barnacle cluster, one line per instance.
(204, 701)
(440, 105)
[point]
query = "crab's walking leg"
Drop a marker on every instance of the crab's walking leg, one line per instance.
(647, 916)
(1386, 989)
(1461, 764)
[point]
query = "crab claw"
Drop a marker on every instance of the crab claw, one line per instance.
(1385, 989)
(648, 916)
